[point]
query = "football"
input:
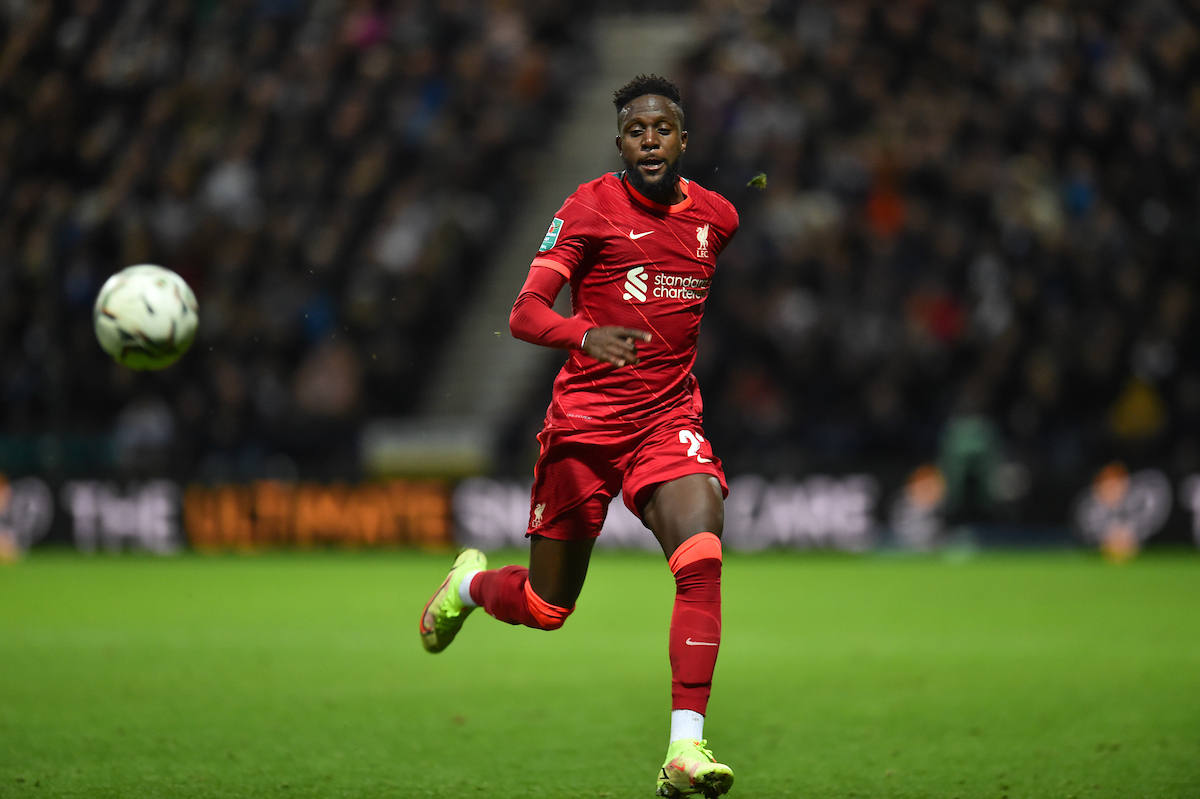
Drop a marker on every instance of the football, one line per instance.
(145, 317)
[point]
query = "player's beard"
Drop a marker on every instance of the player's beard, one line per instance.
(662, 189)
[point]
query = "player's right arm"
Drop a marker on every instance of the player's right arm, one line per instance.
(534, 319)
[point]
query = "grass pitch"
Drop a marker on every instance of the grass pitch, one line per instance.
(301, 675)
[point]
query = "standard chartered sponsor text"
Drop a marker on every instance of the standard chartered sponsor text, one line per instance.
(683, 287)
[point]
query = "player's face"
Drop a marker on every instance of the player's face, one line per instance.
(651, 142)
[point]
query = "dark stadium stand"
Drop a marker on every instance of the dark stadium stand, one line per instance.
(974, 210)
(327, 176)
(976, 245)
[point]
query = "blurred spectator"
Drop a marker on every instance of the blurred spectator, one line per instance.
(987, 199)
(329, 176)
(983, 210)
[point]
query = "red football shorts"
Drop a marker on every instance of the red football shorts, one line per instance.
(580, 471)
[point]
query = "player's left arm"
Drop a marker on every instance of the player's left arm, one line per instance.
(727, 223)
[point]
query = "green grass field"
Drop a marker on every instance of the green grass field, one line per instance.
(301, 675)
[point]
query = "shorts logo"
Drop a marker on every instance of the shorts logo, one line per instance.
(635, 284)
(551, 235)
(702, 238)
(538, 510)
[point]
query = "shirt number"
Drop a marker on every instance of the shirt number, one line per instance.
(690, 438)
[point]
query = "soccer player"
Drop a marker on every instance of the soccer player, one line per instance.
(638, 248)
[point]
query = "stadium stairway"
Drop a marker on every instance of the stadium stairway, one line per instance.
(485, 373)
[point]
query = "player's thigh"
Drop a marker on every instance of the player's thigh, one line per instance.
(558, 568)
(675, 484)
(679, 509)
(561, 547)
(574, 482)
(574, 479)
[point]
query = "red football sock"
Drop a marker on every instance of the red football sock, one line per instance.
(696, 621)
(506, 595)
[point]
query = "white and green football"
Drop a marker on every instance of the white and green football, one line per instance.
(145, 317)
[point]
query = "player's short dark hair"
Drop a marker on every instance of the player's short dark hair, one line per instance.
(646, 84)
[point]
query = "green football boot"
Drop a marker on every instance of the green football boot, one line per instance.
(444, 613)
(690, 770)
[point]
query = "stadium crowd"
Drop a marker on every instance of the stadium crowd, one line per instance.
(980, 220)
(979, 225)
(328, 176)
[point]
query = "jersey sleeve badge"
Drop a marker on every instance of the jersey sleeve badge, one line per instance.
(551, 235)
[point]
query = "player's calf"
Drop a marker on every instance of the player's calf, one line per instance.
(695, 635)
(507, 595)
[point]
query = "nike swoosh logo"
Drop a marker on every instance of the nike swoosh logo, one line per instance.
(635, 236)
(690, 642)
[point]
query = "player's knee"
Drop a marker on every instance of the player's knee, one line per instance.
(553, 621)
(702, 548)
(696, 565)
(547, 616)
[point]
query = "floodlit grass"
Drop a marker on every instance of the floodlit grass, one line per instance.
(300, 675)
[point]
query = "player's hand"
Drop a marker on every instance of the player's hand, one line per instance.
(615, 345)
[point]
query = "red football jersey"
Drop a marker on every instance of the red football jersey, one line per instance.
(642, 265)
